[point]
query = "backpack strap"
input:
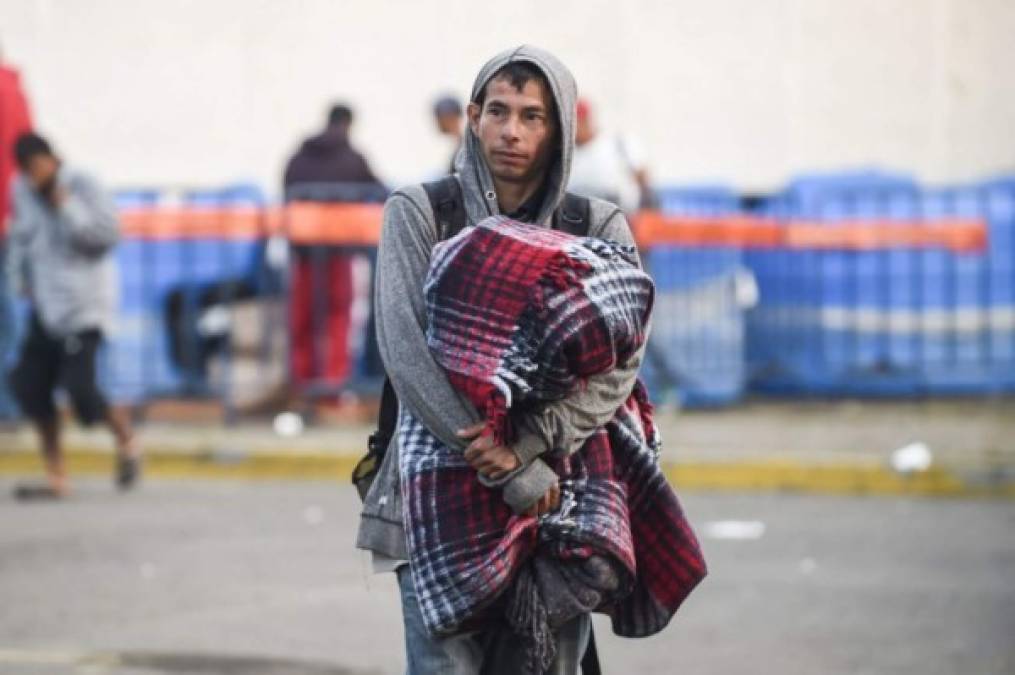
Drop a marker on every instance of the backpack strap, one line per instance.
(387, 418)
(448, 206)
(590, 660)
(574, 215)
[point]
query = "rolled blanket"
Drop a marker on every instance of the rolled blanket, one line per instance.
(518, 316)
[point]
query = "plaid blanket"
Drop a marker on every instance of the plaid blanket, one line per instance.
(518, 315)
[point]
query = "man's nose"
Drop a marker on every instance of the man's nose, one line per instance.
(510, 129)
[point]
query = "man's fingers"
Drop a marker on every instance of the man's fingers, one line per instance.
(499, 472)
(476, 449)
(549, 501)
(473, 431)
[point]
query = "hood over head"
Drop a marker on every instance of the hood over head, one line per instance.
(477, 182)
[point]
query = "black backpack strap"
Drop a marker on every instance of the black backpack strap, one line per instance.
(590, 660)
(387, 419)
(448, 206)
(574, 215)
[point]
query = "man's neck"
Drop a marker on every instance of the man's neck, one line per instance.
(510, 196)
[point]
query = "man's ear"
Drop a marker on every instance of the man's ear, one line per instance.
(474, 111)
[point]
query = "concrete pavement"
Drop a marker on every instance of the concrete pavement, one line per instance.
(227, 577)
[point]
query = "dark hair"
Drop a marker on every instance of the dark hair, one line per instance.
(518, 73)
(340, 114)
(28, 146)
(447, 105)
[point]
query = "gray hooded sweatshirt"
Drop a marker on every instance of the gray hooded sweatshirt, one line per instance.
(407, 239)
(60, 257)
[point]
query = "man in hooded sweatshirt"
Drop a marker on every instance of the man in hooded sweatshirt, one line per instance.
(515, 160)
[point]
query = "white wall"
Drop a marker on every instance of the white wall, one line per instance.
(743, 91)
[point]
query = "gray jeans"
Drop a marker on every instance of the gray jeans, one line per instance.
(487, 653)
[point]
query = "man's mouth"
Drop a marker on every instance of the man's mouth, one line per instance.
(509, 157)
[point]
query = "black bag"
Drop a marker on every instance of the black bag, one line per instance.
(448, 208)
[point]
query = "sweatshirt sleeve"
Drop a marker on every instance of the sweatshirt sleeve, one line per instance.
(407, 239)
(89, 217)
(565, 425)
(17, 274)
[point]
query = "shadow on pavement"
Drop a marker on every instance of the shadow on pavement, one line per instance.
(166, 663)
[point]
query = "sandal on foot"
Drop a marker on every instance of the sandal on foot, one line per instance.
(128, 470)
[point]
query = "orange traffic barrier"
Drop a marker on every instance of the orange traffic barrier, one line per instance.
(360, 225)
(196, 223)
(652, 228)
(957, 235)
(302, 222)
(347, 224)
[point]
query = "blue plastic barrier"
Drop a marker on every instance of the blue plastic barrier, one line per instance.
(137, 363)
(886, 322)
(696, 350)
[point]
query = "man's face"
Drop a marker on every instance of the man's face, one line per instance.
(41, 171)
(516, 129)
(449, 124)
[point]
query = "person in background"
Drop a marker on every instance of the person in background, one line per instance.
(607, 166)
(328, 156)
(327, 168)
(60, 257)
(15, 120)
(447, 113)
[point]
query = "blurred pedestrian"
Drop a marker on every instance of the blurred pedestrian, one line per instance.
(328, 168)
(608, 165)
(60, 257)
(14, 121)
(447, 113)
(328, 157)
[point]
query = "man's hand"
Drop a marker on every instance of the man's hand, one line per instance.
(485, 456)
(546, 503)
(58, 197)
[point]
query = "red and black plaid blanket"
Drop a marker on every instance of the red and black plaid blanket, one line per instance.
(518, 316)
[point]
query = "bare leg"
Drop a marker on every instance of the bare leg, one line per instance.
(52, 454)
(118, 421)
(127, 454)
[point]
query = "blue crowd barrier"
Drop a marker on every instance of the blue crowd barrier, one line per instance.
(153, 272)
(893, 321)
(888, 321)
(696, 350)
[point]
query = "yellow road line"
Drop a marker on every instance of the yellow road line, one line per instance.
(734, 476)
